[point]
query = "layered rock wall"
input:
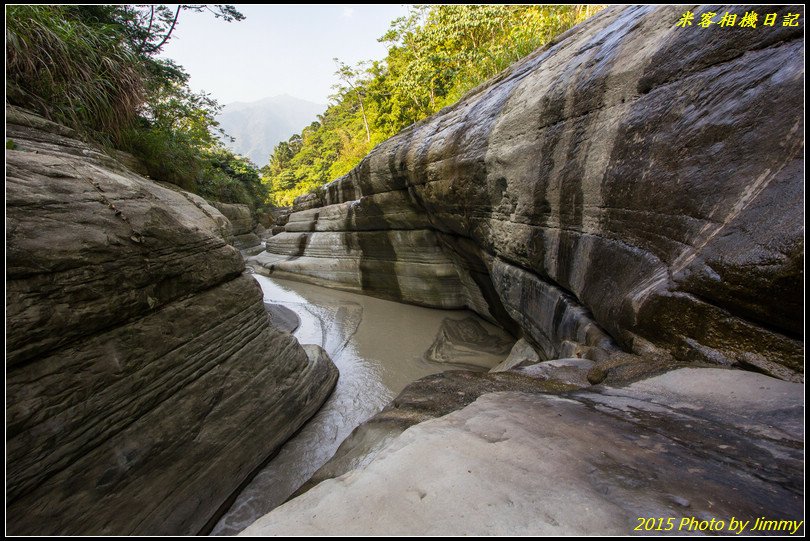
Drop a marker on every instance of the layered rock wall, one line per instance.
(242, 222)
(144, 382)
(634, 185)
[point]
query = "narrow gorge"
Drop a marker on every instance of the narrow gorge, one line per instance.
(568, 303)
(605, 194)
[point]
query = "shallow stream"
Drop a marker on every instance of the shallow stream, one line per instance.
(379, 348)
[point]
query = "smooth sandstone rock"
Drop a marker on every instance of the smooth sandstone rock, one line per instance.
(144, 382)
(424, 399)
(419, 272)
(633, 186)
(239, 215)
(573, 371)
(705, 443)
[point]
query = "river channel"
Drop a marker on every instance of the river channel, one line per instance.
(379, 348)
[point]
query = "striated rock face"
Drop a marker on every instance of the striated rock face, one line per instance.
(144, 382)
(633, 186)
(706, 443)
(243, 224)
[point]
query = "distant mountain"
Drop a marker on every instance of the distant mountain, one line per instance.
(259, 125)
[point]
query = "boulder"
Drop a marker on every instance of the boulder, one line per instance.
(632, 186)
(240, 216)
(144, 382)
(265, 219)
(467, 342)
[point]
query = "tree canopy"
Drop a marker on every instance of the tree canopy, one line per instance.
(435, 55)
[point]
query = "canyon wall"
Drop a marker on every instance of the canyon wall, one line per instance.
(632, 186)
(242, 222)
(144, 381)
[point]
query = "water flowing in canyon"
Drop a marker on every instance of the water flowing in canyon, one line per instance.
(379, 347)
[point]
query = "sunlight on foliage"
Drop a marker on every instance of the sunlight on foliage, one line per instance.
(435, 55)
(94, 68)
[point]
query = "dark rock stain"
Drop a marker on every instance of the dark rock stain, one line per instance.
(377, 255)
(304, 238)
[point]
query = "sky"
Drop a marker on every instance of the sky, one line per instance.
(278, 49)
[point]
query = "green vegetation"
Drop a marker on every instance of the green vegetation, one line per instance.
(94, 68)
(435, 55)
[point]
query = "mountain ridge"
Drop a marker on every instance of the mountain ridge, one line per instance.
(258, 126)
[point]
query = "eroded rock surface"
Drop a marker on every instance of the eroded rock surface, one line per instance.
(244, 226)
(632, 186)
(521, 353)
(425, 399)
(706, 443)
(467, 342)
(144, 382)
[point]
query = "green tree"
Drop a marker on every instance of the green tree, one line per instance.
(435, 55)
(94, 68)
(352, 89)
(72, 71)
(231, 178)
